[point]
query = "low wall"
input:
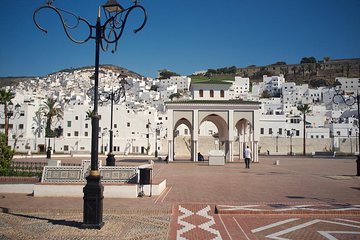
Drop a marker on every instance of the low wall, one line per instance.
(76, 190)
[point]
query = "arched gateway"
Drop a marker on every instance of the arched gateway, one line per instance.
(236, 120)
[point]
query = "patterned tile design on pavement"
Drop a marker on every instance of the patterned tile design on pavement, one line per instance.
(352, 231)
(295, 227)
(67, 226)
(195, 222)
(281, 208)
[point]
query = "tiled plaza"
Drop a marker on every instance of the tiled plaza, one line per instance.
(301, 198)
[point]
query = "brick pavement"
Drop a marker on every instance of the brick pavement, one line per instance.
(195, 190)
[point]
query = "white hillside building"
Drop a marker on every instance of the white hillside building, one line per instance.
(240, 88)
(182, 82)
(211, 90)
(273, 84)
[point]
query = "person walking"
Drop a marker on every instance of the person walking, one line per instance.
(247, 156)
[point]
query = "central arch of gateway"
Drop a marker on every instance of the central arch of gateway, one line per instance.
(237, 122)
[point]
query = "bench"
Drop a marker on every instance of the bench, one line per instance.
(216, 158)
(323, 154)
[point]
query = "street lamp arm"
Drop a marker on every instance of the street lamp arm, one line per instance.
(64, 23)
(110, 35)
(349, 101)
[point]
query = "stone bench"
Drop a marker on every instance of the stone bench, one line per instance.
(323, 154)
(216, 158)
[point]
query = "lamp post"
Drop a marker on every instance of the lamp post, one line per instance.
(290, 133)
(113, 96)
(157, 133)
(148, 136)
(102, 140)
(107, 34)
(350, 100)
(8, 114)
(277, 141)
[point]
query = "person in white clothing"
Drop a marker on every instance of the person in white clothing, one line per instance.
(247, 156)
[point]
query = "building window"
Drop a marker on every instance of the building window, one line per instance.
(76, 118)
(261, 131)
(297, 133)
(186, 131)
(76, 133)
(86, 134)
(69, 123)
(66, 147)
(201, 93)
(222, 93)
(86, 125)
(211, 93)
(21, 126)
(115, 125)
(270, 131)
(128, 124)
(69, 134)
(280, 131)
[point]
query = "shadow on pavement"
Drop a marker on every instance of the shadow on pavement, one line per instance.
(62, 222)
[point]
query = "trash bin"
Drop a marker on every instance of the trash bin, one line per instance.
(145, 176)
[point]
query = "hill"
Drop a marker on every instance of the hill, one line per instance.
(315, 73)
(12, 81)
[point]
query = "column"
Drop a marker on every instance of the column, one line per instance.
(256, 152)
(170, 151)
(170, 135)
(195, 135)
(231, 135)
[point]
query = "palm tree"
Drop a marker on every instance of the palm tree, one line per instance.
(50, 109)
(89, 114)
(38, 125)
(5, 98)
(304, 109)
(294, 69)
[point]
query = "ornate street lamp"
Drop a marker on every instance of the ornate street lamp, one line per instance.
(104, 35)
(11, 112)
(113, 96)
(349, 100)
(158, 129)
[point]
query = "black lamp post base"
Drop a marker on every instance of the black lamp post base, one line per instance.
(93, 203)
(48, 154)
(110, 160)
(358, 165)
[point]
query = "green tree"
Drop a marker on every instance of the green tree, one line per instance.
(51, 109)
(154, 88)
(294, 69)
(37, 126)
(89, 114)
(304, 109)
(265, 94)
(6, 155)
(165, 74)
(308, 60)
(5, 98)
(310, 69)
(280, 63)
(174, 95)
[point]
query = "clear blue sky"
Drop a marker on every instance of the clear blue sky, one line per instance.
(185, 35)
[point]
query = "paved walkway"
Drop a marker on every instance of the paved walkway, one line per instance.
(302, 198)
